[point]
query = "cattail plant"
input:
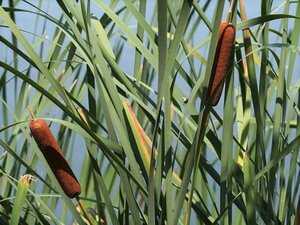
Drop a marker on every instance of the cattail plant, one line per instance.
(56, 160)
(222, 61)
(54, 157)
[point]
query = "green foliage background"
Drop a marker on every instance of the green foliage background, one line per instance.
(122, 86)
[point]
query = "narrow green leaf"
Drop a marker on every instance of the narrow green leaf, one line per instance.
(249, 189)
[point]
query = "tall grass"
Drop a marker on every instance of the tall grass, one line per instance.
(123, 84)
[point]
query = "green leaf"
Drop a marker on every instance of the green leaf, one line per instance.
(19, 202)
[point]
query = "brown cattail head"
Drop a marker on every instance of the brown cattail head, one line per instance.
(55, 157)
(222, 61)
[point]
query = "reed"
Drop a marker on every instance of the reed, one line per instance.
(114, 74)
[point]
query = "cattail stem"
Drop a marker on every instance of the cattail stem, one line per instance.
(85, 213)
(229, 14)
(204, 123)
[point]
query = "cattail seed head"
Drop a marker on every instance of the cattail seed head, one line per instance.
(222, 61)
(54, 157)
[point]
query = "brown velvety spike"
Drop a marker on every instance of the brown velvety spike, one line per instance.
(55, 157)
(222, 61)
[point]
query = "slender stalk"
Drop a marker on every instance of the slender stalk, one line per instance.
(85, 213)
(229, 14)
(195, 174)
